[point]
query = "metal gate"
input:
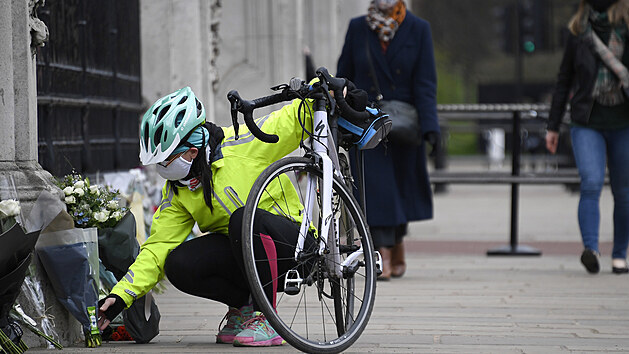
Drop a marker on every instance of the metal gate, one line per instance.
(88, 86)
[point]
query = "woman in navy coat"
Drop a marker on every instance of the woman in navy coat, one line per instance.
(396, 177)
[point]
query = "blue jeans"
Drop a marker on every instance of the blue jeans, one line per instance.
(592, 149)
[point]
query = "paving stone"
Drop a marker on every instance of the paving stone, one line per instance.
(458, 300)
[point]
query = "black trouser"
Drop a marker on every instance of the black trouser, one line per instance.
(387, 236)
(212, 266)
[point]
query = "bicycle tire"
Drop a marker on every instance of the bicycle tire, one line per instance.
(290, 317)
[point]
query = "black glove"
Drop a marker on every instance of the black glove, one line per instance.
(356, 98)
(434, 139)
(114, 309)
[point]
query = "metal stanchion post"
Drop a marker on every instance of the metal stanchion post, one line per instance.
(513, 249)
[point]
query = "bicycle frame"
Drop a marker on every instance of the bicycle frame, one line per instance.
(323, 146)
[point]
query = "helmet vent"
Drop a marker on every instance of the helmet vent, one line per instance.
(199, 108)
(162, 113)
(183, 99)
(146, 136)
(158, 133)
(179, 118)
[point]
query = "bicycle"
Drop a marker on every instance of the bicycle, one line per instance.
(329, 294)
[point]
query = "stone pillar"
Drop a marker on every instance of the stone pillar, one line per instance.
(179, 33)
(21, 34)
(7, 106)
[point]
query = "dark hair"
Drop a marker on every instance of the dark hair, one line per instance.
(201, 167)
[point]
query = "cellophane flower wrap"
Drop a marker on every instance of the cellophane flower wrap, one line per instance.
(17, 241)
(14, 260)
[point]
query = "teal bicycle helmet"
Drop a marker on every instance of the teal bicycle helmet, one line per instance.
(168, 123)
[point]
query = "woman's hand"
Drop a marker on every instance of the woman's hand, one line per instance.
(552, 139)
(108, 309)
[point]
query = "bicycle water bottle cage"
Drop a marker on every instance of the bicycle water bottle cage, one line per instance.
(369, 133)
(292, 282)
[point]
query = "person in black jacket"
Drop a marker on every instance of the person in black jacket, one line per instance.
(594, 76)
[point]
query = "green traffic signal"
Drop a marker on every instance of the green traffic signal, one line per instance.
(529, 46)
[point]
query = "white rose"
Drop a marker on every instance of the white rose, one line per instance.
(113, 204)
(116, 215)
(79, 191)
(101, 216)
(68, 190)
(70, 199)
(94, 190)
(79, 184)
(9, 207)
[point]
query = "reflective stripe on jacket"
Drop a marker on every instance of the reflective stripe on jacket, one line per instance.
(233, 175)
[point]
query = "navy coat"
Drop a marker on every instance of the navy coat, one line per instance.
(396, 178)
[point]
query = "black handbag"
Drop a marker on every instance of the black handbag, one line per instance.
(405, 129)
(142, 318)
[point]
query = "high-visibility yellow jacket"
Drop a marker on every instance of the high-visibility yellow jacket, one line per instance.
(233, 176)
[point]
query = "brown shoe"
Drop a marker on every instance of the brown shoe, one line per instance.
(398, 265)
(385, 252)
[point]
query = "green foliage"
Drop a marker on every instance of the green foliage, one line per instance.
(462, 143)
(91, 205)
(451, 86)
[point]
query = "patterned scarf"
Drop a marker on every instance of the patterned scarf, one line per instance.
(613, 75)
(385, 25)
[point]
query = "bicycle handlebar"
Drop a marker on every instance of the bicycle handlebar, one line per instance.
(246, 107)
(295, 89)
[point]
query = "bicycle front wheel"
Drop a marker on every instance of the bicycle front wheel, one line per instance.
(318, 305)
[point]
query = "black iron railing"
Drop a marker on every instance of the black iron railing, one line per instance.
(88, 86)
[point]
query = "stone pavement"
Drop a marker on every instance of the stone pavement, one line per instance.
(455, 299)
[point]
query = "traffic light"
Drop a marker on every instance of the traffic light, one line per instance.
(504, 29)
(522, 25)
(529, 26)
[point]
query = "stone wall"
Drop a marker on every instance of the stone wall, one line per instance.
(249, 45)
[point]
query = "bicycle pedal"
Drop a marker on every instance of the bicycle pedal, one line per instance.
(292, 282)
(378, 263)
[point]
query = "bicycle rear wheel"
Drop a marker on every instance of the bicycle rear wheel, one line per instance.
(326, 313)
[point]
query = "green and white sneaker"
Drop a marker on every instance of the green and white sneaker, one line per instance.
(235, 323)
(258, 332)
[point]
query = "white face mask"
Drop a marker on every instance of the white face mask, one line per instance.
(177, 169)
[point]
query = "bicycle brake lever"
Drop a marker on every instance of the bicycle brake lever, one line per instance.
(235, 100)
(234, 112)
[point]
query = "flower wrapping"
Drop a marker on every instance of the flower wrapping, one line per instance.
(70, 258)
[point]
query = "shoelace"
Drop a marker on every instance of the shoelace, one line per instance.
(252, 323)
(228, 316)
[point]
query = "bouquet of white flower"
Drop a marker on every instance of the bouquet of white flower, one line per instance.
(9, 211)
(91, 205)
